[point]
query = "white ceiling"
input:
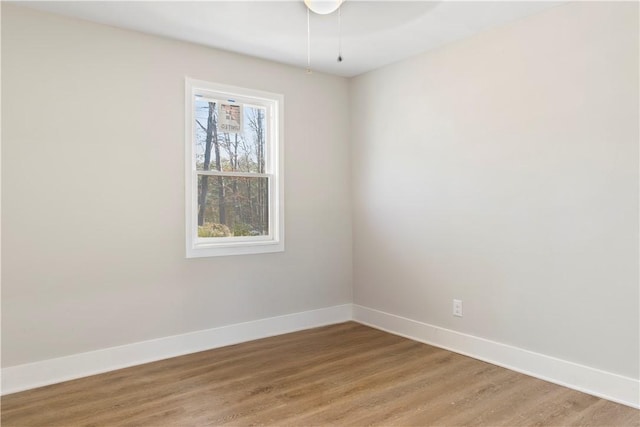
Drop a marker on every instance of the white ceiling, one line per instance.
(374, 33)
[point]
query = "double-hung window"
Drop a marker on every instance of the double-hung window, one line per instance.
(234, 184)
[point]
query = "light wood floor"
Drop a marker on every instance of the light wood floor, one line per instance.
(345, 374)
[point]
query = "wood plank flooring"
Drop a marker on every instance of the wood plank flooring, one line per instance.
(346, 374)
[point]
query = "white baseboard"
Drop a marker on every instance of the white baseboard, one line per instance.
(38, 374)
(596, 382)
(592, 381)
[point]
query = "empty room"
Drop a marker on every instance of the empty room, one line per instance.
(306, 212)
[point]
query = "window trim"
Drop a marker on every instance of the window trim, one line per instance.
(197, 247)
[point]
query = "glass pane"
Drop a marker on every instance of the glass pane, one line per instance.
(232, 206)
(229, 151)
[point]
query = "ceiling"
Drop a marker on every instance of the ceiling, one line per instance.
(374, 33)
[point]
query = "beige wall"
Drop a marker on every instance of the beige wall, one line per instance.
(93, 191)
(503, 170)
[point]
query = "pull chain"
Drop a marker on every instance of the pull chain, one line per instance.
(308, 43)
(340, 34)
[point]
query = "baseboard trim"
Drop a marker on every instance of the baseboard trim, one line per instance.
(46, 372)
(588, 380)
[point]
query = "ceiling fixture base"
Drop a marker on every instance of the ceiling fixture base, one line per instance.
(323, 7)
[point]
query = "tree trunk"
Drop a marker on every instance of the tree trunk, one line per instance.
(222, 211)
(204, 187)
(237, 210)
(264, 205)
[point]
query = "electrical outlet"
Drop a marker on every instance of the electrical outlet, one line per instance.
(457, 307)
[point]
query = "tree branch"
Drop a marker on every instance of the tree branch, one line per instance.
(203, 128)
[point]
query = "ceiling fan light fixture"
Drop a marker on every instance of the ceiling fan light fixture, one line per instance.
(323, 7)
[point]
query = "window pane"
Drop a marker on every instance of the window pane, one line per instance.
(232, 206)
(226, 151)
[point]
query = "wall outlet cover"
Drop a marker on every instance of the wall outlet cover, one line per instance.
(457, 307)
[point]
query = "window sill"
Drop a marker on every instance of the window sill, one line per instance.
(202, 250)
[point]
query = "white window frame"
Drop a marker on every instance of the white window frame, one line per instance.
(274, 159)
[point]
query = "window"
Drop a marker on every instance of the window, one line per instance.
(234, 185)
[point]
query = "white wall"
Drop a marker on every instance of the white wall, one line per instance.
(503, 170)
(93, 184)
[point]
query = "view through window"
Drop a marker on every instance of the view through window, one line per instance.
(235, 196)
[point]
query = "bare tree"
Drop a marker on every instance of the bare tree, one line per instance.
(211, 141)
(231, 146)
(210, 129)
(256, 124)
